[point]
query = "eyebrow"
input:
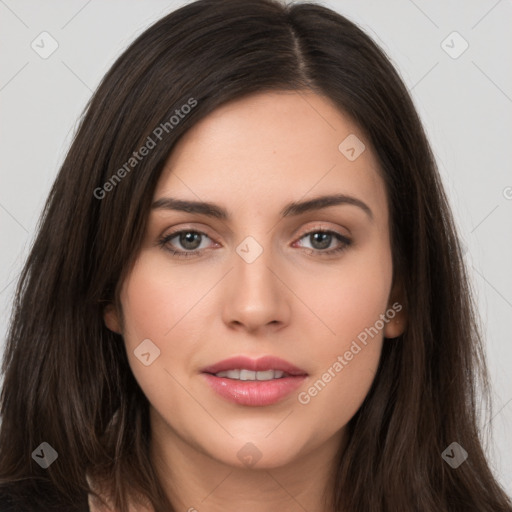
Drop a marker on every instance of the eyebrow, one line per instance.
(291, 209)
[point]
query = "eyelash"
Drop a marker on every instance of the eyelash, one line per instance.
(346, 242)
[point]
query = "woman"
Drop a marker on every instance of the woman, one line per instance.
(247, 291)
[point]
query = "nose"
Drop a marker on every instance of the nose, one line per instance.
(256, 297)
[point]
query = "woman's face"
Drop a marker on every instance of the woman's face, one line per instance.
(262, 282)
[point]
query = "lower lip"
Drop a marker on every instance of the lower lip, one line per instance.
(255, 393)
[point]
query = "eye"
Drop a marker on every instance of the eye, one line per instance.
(321, 240)
(189, 239)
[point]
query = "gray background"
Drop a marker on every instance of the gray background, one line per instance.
(464, 102)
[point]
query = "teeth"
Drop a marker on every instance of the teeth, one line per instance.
(250, 375)
(230, 374)
(247, 375)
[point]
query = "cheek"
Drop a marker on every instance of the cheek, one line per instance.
(156, 302)
(346, 363)
(336, 395)
(347, 354)
(157, 307)
(349, 297)
(160, 307)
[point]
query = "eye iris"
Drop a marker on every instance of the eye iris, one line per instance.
(325, 240)
(188, 237)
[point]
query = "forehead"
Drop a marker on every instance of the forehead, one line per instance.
(268, 149)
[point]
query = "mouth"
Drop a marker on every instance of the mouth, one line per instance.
(243, 374)
(254, 382)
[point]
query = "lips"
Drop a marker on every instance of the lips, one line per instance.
(254, 382)
(255, 365)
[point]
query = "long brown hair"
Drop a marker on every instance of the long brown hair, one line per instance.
(67, 381)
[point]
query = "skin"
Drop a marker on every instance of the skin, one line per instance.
(253, 156)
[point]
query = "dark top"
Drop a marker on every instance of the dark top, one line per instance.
(5, 504)
(33, 504)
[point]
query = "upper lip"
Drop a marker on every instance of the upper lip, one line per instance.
(255, 365)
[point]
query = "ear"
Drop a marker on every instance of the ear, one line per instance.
(111, 318)
(396, 312)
